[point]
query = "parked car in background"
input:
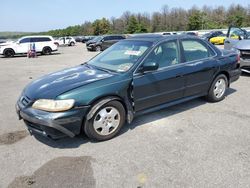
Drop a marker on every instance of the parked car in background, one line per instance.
(68, 41)
(192, 33)
(87, 38)
(2, 41)
(219, 39)
(211, 34)
(101, 43)
(133, 77)
(43, 44)
(78, 38)
(239, 40)
(169, 33)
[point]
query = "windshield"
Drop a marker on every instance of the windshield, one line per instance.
(96, 39)
(121, 56)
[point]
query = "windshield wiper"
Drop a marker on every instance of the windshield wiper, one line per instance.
(100, 68)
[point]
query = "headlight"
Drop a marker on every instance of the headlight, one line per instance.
(236, 50)
(53, 105)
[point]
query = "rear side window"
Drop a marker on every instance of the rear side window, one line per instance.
(40, 39)
(195, 50)
(119, 37)
(107, 38)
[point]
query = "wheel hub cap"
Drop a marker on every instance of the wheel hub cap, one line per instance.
(219, 88)
(107, 121)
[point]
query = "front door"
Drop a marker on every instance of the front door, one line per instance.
(23, 46)
(163, 85)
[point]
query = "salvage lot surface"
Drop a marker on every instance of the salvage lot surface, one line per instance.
(195, 144)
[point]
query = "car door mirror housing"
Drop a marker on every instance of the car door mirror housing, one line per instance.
(149, 66)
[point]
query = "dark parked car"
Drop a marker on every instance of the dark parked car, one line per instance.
(192, 33)
(101, 43)
(79, 38)
(211, 34)
(133, 77)
(239, 40)
(87, 38)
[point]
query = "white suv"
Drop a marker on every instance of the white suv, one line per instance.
(43, 44)
(70, 41)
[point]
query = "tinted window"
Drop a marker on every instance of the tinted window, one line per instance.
(108, 38)
(26, 40)
(40, 39)
(118, 37)
(166, 54)
(195, 50)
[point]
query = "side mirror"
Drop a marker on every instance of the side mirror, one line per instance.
(149, 66)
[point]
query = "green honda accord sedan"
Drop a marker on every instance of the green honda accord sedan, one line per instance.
(133, 77)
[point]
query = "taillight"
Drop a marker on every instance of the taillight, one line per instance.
(238, 58)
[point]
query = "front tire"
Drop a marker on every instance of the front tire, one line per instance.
(9, 53)
(106, 122)
(218, 89)
(98, 48)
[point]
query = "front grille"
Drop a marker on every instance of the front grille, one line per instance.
(245, 54)
(25, 100)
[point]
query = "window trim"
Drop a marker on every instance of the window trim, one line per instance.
(135, 73)
(182, 59)
(202, 42)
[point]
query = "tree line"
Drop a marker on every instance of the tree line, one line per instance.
(168, 19)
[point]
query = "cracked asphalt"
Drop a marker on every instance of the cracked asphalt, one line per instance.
(194, 144)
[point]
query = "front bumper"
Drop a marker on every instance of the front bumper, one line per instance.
(245, 65)
(53, 125)
(90, 47)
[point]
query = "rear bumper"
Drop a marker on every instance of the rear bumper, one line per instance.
(53, 125)
(235, 75)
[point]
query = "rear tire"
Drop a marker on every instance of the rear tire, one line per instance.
(106, 122)
(46, 51)
(218, 89)
(9, 53)
(72, 44)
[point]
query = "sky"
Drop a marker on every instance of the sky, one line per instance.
(44, 15)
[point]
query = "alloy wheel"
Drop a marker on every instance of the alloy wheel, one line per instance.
(106, 121)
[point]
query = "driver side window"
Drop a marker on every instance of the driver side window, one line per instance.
(166, 54)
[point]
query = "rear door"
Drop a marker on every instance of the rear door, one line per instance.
(200, 66)
(163, 85)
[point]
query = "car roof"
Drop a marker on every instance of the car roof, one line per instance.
(155, 38)
(33, 36)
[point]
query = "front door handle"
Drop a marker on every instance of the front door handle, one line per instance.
(179, 76)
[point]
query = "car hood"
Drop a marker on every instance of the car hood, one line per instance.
(54, 84)
(6, 43)
(91, 42)
(243, 44)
